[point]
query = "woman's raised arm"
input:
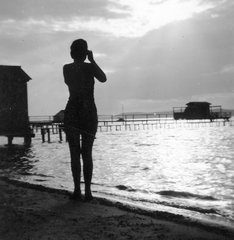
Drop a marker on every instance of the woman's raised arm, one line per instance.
(98, 73)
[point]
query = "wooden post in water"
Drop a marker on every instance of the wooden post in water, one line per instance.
(27, 140)
(48, 132)
(10, 139)
(60, 133)
(53, 129)
(43, 134)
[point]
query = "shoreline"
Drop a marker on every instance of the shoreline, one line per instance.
(30, 211)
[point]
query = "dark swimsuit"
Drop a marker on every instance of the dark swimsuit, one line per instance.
(81, 112)
(81, 116)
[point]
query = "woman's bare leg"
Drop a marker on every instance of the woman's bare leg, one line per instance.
(74, 146)
(87, 146)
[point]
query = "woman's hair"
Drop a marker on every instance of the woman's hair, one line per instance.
(79, 49)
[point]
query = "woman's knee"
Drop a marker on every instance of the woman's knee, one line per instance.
(86, 154)
(74, 147)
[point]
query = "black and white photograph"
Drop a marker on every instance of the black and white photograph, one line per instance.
(116, 119)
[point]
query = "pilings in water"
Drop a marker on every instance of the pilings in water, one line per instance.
(26, 136)
(130, 125)
(154, 124)
(47, 131)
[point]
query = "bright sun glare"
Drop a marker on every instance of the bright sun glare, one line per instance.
(138, 17)
(147, 15)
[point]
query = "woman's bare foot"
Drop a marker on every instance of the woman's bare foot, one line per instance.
(88, 197)
(76, 196)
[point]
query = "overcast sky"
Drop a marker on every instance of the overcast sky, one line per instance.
(157, 54)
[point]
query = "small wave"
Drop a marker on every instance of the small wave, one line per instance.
(139, 201)
(39, 180)
(144, 145)
(146, 169)
(176, 194)
(125, 188)
(36, 174)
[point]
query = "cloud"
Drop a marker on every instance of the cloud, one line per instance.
(175, 62)
(119, 18)
(157, 54)
(59, 9)
(228, 69)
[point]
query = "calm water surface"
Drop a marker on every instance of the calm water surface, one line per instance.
(183, 170)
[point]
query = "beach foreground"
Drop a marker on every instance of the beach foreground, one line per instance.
(35, 212)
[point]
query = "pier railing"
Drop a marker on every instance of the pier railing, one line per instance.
(41, 119)
(125, 119)
(47, 125)
(104, 118)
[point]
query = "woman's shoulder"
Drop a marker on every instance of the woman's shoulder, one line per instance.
(71, 67)
(89, 67)
(87, 64)
(68, 65)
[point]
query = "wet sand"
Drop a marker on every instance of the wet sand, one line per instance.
(34, 212)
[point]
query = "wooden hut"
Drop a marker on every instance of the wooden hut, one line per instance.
(59, 117)
(197, 110)
(14, 120)
(200, 110)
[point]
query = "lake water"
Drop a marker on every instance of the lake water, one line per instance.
(185, 170)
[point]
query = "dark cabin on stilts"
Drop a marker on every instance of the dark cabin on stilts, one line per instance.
(14, 120)
(200, 110)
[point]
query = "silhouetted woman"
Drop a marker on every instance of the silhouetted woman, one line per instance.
(81, 114)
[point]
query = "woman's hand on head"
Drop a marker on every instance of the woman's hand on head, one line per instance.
(90, 56)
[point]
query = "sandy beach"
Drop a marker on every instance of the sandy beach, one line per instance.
(35, 212)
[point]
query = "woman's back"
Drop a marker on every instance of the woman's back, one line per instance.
(79, 78)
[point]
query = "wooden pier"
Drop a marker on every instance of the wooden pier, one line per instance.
(106, 123)
(147, 124)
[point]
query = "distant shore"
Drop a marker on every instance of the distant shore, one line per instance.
(36, 212)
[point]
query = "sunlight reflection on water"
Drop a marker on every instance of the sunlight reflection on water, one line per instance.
(198, 161)
(193, 165)
(181, 159)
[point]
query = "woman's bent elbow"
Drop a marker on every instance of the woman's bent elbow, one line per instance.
(103, 79)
